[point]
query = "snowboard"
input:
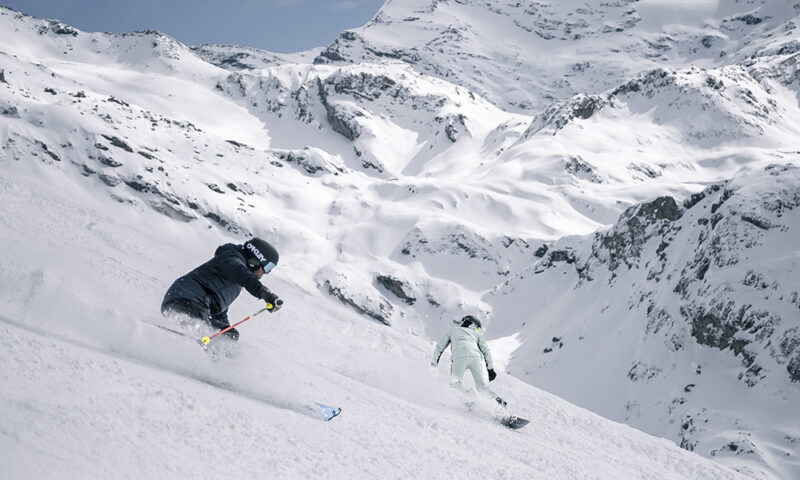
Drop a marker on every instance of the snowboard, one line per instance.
(513, 422)
(510, 421)
(327, 412)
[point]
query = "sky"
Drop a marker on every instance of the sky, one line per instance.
(276, 25)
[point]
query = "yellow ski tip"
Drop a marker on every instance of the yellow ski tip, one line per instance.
(206, 340)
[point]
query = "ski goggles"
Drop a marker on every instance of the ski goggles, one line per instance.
(267, 267)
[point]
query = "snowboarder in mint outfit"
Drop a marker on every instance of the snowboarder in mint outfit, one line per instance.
(206, 292)
(469, 352)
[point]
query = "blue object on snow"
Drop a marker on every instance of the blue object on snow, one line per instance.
(327, 412)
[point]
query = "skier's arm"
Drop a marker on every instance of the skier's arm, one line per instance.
(234, 268)
(437, 354)
(487, 354)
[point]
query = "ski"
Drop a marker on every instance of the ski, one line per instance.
(217, 351)
(171, 330)
(324, 412)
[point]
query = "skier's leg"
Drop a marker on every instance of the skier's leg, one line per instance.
(188, 315)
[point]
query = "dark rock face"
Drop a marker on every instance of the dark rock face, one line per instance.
(382, 315)
(302, 161)
(115, 141)
(709, 329)
(640, 372)
(343, 122)
(57, 28)
(215, 188)
(333, 53)
(722, 226)
(585, 107)
(789, 349)
(398, 287)
(109, 180)
(577, 167)
(108, 161)
(359, 86)
(708, 277)
(339, 51)
(455, 243)
(698, 197)
(454, 126)
(236, 61)
(558, 116)
(648, 83)
(749, 19)
(662, 208)
(718, 316)
(637, 225)
(239, 144)
(562, 256)
(794, 368)
(140, 185)
(47, 151)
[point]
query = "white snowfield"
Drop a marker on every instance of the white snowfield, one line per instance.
(613, 188)
(90, 391)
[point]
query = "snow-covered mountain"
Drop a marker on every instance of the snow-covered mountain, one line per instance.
(688, 319)
(523, 56)
(612, 185)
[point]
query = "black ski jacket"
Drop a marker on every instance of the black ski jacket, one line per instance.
(215, 284)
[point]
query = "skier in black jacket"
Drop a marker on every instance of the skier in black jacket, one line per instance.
(206, 292)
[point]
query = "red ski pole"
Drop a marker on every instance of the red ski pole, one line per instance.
(206, 340)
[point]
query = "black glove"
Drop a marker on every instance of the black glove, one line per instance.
(492, 374)
(271, 299)
(276, 304)
(233, 334)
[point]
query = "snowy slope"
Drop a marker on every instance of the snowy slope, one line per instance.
(92, 392)
(400, 197)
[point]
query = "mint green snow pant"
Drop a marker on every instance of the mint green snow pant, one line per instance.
(478, 369)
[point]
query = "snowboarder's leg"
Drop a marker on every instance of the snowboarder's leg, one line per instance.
(457, 369)
(478, 370)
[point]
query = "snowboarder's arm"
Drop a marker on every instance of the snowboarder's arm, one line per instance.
(437, 354)
(487, 354)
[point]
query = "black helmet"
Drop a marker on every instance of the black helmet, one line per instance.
(259, 253)
(469, 319)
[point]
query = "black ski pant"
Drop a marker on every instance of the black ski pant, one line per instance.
(197, 312)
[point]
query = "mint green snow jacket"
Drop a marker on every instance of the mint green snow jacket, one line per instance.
(466, 342)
